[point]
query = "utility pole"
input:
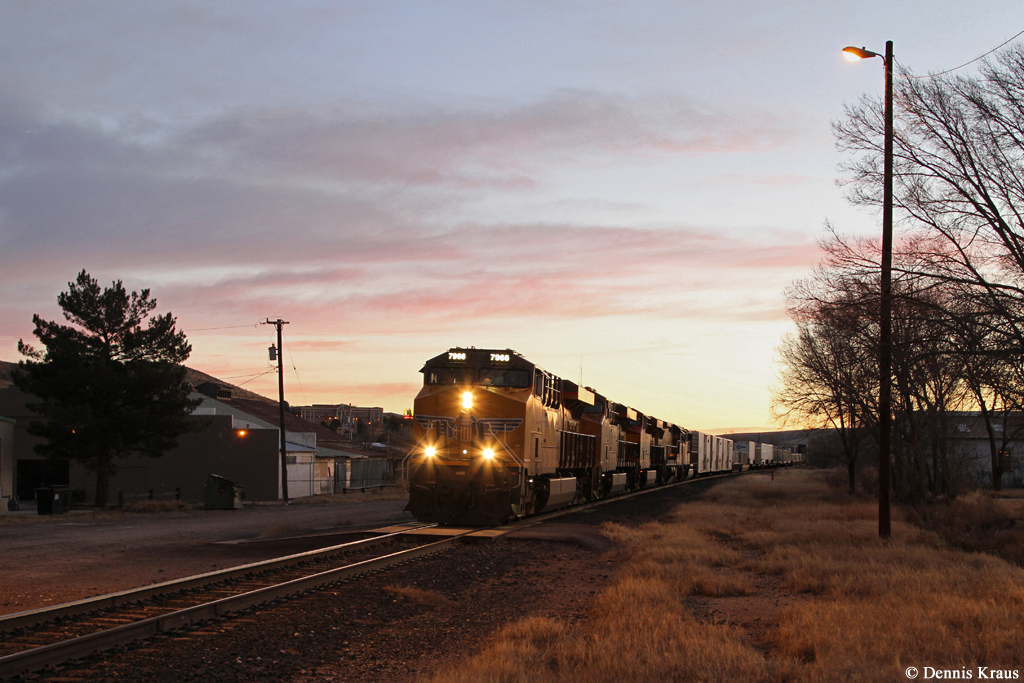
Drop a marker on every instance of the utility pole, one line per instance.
(885, 303)
(280, 405)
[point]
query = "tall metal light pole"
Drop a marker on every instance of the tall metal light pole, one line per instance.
(885, 303)
(280, 406)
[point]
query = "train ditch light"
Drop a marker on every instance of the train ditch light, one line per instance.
(467, 400)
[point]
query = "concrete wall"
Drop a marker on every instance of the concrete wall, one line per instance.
(252, 461)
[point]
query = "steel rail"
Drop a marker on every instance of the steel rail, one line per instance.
(569, 509)
(84, 646)
(35, 617)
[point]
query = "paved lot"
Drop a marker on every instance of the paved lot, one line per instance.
(48, 560)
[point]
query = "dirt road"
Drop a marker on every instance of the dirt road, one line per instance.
(49, 560)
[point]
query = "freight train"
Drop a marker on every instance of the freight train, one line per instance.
(500, 438)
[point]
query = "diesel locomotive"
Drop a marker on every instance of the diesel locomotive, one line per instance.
(499, 438)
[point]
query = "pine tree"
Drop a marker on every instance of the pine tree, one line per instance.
(107, 387)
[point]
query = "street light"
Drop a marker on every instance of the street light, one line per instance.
(885, 304)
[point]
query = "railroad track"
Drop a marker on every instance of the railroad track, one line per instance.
(43, 638)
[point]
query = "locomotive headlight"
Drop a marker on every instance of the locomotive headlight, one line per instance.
(488, 453)
(430, 451)
(467, 400)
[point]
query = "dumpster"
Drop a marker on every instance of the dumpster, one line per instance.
(53, 500)
(222, 494)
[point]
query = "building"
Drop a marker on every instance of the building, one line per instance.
(348, 416)
(235, 438)
(249, 458)
(971, 447)
(22, 470)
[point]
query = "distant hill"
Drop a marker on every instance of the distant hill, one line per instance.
(193, 376)
(5, 373)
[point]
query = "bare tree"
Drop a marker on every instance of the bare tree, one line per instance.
(823, 381)
(829, 364)
(958, 180)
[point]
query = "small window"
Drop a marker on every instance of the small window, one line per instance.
(435, 376)
(504, 377)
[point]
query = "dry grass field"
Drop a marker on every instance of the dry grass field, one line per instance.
(783, 582)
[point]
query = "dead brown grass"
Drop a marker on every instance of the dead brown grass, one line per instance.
(638, 631)
(981, 521)
(855, 608)
(418, 595)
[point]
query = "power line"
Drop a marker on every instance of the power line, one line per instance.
(296, 371)
(257, 376)
(231, 327)
(949, 71)
(253, 376)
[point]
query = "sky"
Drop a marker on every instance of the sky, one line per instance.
(616, 190)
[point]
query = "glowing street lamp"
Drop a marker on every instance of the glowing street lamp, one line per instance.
(854, 54)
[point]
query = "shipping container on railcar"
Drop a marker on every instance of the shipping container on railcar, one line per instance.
(701, 452)
(719, 460)
(743, 454)
(716, 454)
(488, 429)
(767, 455)
(727, 446)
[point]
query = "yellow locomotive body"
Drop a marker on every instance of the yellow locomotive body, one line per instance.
(499, 438)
